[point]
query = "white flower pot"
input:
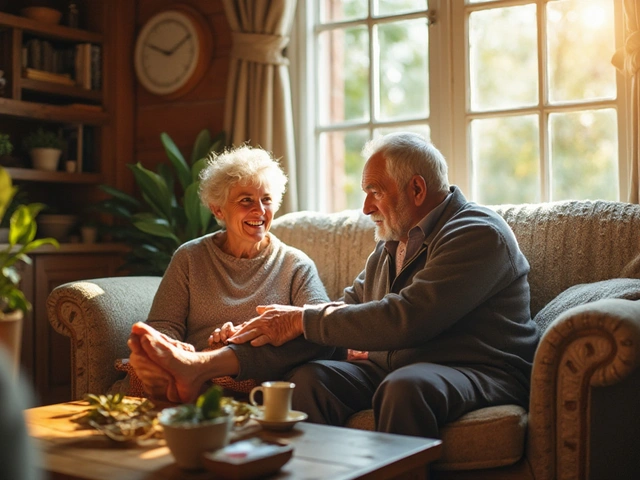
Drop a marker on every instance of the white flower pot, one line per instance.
(45, 158)
(188, 441)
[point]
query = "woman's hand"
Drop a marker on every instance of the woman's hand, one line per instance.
(220, 335)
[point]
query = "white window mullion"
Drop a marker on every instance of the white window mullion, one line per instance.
(543, 101)
(625, 137)
(459, 158)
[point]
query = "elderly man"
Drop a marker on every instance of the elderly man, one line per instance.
(442, 307)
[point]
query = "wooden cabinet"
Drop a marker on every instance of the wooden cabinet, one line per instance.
(45, 355)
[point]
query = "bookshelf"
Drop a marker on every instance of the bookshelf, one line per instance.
(53, 80)
(37, 98)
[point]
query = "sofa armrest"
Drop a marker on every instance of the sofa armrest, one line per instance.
(587, 347)
(97, 316)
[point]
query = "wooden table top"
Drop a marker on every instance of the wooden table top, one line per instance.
(323, 452)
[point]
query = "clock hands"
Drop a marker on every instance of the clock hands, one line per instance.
(158, 49)
(179, 44)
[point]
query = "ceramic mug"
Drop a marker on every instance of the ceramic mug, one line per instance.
(276, 400)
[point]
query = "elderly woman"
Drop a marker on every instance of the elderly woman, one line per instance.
(217, 281)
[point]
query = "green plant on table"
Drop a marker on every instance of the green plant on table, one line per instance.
(42, 138)
(156, 226)
(208, 406)
(22, 233)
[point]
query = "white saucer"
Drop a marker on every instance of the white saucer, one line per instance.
(293, 418)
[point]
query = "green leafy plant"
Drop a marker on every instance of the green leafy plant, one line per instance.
(6, 147)
(156, 226)
(42, 138)
(208, 406)
(22, 233)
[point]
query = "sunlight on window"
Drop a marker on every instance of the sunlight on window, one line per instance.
(584, 155)
(505, 158)
(503, 60)
(580, 44)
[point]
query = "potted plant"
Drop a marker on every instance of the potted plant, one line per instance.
(22, 233)
(45, 148)
(191, 429)
(6, 147)
(155, 227)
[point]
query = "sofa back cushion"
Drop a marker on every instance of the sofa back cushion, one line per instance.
(338, 243)
(573, 242)
(566, 243)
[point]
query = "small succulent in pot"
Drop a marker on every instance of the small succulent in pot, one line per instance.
(6, 147)
(192, 429)
(42, 138)
(45, 148)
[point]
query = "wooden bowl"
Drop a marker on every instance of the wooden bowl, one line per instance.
(46, 15)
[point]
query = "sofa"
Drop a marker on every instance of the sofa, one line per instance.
(583, 420)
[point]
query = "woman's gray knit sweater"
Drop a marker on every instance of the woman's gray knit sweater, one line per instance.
(204, 287)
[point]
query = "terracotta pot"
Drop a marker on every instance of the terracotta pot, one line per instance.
(45, 158)
(11, 336)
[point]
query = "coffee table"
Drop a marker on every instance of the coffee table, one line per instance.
(323, 452)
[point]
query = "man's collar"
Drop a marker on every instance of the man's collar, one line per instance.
(421, 230)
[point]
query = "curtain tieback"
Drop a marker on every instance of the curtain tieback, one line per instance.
(259, 48)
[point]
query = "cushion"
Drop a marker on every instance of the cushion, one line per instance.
(484, 438)
(625, 288)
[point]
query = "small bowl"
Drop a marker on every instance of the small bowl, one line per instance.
(187, 441)
(47, 15)
(56, 226)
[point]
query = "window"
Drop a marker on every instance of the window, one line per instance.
(520, 96)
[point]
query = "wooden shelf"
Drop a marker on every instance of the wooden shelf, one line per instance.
(59, 89)
(32, 175)
(52, 113)
(58, 32)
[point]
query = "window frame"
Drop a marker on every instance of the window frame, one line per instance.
(449, 118)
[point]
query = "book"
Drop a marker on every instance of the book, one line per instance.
(96, 67)
(83, 65)
(61, 78)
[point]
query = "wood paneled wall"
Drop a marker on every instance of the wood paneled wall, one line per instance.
(182, 118)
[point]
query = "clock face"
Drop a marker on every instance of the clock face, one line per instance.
(168, 51)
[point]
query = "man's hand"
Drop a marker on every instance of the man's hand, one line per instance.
(277, 325)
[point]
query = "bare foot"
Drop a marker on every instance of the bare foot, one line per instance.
(157, 383)
(181, 364)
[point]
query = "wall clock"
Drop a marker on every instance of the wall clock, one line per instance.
(173, 51)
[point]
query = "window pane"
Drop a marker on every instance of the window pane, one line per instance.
(506, 158)
(584, 158)
(420, 129)
(343, 75)
(395, 7)
(339, 10)
(581, 40)
(344, 168)
(404, 81)
(503, 58)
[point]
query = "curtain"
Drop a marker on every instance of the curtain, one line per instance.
(258, 104)
(627, 60)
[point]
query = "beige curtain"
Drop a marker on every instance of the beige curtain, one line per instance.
(258, 109)
(627, 60)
